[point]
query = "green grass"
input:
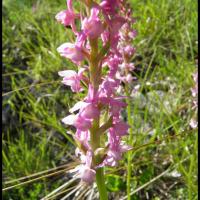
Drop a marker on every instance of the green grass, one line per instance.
(34, 100)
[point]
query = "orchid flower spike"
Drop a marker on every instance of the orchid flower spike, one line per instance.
(102, 51)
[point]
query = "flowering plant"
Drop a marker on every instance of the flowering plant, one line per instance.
(104, 43)
(194, 91)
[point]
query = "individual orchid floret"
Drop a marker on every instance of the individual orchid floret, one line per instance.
(128, 66)
(69, 120)
(72, 52)
(116, 23)
(109, 6)
(82, 123)
(120, 128)
(78, 106)
(77, 121)
(92, 96)
(67, 17)
(129, 78)
(112, 35)
(116, 105)
(113, 64)
(193, 123)
(128, 51)
(90, 111)
(125, 78)
(81, 39)
(132, 33)
(85, 171)
(82, 136)
(195, 89)
(92, 26)
(71, 78)
(82, 140)
(116, 148)
(109, 85)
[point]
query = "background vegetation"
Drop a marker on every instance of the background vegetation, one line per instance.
(34, 102)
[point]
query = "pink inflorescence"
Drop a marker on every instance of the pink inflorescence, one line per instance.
(194, 91)
(110, 23)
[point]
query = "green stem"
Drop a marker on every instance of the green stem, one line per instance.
(95, 75)
(101, 184)
(95, 143)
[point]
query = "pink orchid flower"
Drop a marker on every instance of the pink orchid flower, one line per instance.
(78, 121)
(67, 17)
(82, 123)
(109, 85)
(92, 26)
(71, 78)
(71, 51)
(83, 137)
(84, 171)
(90, 111)
(103, 41)
(120, 128)
(128, 51)
(113, 64)
(109, 6)
(116, 148)
(87, 110)
(116, 105)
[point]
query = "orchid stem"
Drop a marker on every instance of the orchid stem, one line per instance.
(100, 180)
(95, 73)
(95, 143)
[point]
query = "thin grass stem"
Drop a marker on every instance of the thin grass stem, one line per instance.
(35, 174)
(35, 179)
